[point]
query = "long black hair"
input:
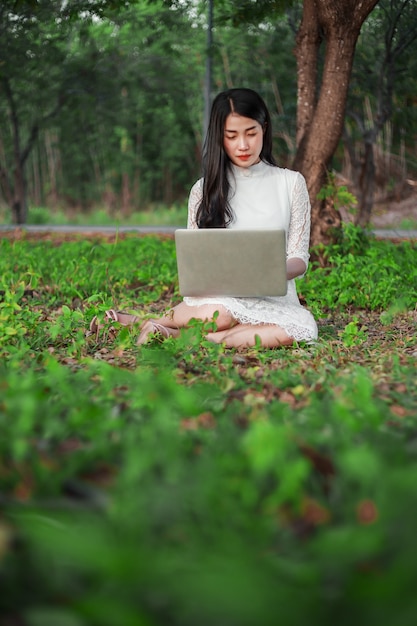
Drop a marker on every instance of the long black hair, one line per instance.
(214, 210)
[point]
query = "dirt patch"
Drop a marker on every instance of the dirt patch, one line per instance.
(394, 214)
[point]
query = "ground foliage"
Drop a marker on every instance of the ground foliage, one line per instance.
(184, 483)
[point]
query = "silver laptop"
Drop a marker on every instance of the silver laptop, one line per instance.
(221, 262)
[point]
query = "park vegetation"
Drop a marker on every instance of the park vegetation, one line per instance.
(179, 482)
(182, 483)
(101, 101)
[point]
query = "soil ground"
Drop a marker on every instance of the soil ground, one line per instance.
(396, 214)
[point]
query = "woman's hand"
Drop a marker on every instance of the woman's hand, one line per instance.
(295, 267)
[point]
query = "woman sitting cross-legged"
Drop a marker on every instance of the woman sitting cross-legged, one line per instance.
(243, 188)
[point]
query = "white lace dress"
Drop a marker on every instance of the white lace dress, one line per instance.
(264, 196)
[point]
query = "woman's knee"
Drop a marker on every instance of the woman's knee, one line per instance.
(222, 318)
(183, 313)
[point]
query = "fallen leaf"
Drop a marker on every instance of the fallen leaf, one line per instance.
(204, 420)
(314, 512)
(367, 512)
(398, 411)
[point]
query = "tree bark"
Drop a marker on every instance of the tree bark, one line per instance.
(19, 206)
(5, 187)
(321, 107)
(307, 53)
(366, 185)
(18, 195)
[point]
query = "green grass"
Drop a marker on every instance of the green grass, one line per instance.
(408, 224)
(184, 483)
(175, 215)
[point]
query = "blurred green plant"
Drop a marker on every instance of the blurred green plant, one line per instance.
(338, 195)
(152, 215)
(363, 272)
(181, 482)
(353, 333)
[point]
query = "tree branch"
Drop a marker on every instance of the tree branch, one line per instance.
(35, 131)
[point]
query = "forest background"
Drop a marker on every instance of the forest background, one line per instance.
(103, 102)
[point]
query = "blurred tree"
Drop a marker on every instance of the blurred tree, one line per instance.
(110, 79)
(111, 93)
(34, 81)
(24, 51)
(135, 112)
(383, 81)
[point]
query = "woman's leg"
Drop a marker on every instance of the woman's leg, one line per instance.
(180, 316)
(229, 331)
(244, 336)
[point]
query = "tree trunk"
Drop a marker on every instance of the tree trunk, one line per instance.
(126, 195)
(52, 164)
(366, 186)
(321, 109)
(5, 186)
(19, 206)
(18, 194)
(307, 53)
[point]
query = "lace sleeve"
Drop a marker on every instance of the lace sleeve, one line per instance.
(193, 203)
(299, 228)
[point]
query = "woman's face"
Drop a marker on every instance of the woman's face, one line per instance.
(242, 140)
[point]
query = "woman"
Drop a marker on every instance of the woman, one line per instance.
(244, 188)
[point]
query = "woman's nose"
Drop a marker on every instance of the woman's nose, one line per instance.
(243, 144)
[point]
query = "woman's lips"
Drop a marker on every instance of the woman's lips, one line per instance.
(243, 157)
